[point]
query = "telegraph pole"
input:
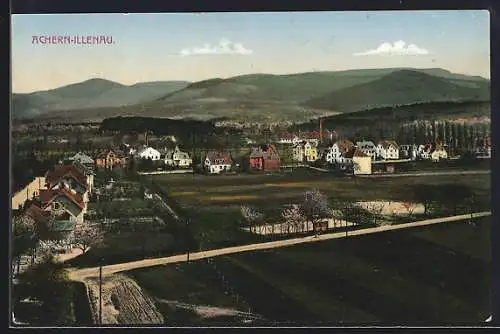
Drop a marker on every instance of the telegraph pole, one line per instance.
(188, 238)
(100, 293)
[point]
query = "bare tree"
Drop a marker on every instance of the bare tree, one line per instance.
(87, 235)
(251, 216)
(315, 206)
(293, 217)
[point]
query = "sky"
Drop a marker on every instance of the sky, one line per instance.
(199, 46)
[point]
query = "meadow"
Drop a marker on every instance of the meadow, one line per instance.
(213, 203)
(428, 275)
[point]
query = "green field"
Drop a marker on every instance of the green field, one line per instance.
(428, 275)
(213, 202)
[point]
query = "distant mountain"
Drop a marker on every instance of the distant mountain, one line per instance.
(93, 93)
(295, 97)
(402, 87)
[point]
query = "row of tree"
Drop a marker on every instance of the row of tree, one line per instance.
(450, 199)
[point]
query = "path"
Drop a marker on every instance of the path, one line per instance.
(81, 274)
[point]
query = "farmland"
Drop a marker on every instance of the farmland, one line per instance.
(213, 202)
(436, 274)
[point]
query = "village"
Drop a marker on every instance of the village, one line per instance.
(62, 195)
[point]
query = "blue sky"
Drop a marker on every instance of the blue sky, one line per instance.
(159, 47)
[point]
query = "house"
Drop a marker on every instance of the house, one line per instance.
(362, 163)
(387, 150)
(368, 148)
(148, 152)
(265, 157)
(88, 172)
(306, 150)
(345, 160)
(288, 138)
(424, 151)
(216, 162)
(177, 158)
(83, 159)
(408, 152)
(52, 227)
(439, 154)
(334, 155)
(68, 177)
(60, 201)
(110, 159)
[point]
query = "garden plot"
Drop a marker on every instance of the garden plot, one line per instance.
(123, 302)
(392, 208)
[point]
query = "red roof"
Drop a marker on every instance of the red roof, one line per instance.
(213, 155)
(60, 171)
(287, 135)
(47, 195)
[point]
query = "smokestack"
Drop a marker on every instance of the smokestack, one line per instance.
(320, 130)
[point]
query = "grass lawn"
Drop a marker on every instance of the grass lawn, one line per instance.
(437, 274)
(213, 202)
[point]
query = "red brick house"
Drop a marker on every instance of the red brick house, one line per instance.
(265, 157)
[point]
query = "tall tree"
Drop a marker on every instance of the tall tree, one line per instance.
(251, 216)
(293, 218)
(315, 206)
(87, 235)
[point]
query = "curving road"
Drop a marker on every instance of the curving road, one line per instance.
(82, 274)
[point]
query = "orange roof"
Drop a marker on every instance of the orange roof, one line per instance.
(47, 195)
(60, 171)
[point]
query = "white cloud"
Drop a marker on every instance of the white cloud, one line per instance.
(223, 48)
(399, 48)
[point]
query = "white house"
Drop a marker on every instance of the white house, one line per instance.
(362, 163)
(298, 152)
(148, 153)
(334, 154)
(387, 150)
(439, 154)
(424, 152)
(217, 162)
(368, 148)
(305, 151)
(177, 158)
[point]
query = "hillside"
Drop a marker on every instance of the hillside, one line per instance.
(93, 93)
(403, 87)
(294, 97)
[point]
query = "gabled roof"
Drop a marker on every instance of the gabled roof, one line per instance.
(349, 154)
(82, 158)
(145, 149)
(47, 195)
(364, 143)
(360, 154)
(387, 143)
(103, 154)
(60, 171)
(344, 145)
(265, 151)
(215, 155)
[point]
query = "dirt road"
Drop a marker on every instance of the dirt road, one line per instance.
(410, 174)
(82, 274)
